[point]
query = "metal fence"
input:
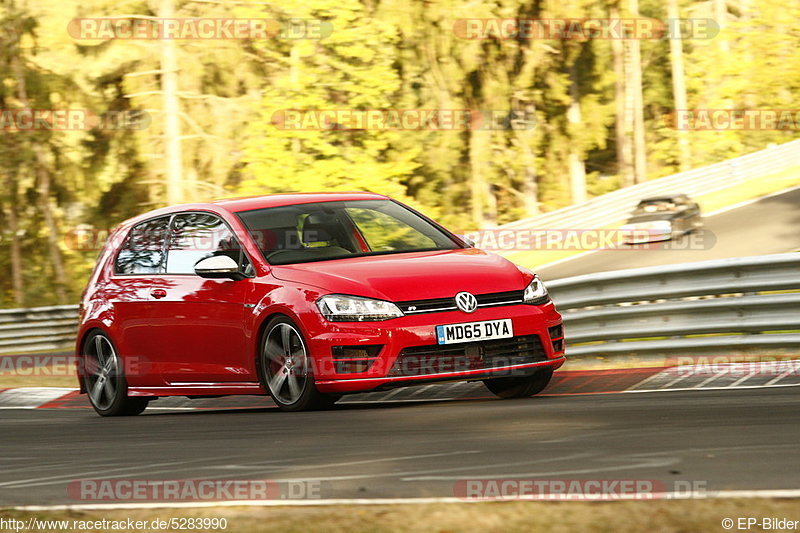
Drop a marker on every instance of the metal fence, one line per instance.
(614, 207)
(728, 305)
(38, 329)
(720, 306)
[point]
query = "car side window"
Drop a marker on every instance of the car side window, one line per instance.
(195, 236)
(143, 250)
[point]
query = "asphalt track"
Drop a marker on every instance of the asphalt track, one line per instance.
(733, 439)
(767, 226)
(421, 442)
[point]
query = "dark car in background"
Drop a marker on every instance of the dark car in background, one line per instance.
(662, 218)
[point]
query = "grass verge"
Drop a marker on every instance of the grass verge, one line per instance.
(38, 369)
(664, 516)
(46, 376)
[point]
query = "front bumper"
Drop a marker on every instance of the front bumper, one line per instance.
(373, 384)
(396, 335)
(646, 235)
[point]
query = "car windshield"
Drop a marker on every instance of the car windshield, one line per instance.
(336, 230)
(656, 206)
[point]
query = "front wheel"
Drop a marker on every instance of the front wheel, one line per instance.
(521, 387)
(104, 379)
(285, 368)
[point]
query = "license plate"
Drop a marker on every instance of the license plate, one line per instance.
(474, 331)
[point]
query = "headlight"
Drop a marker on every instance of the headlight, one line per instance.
(535, 292)
(342, 308)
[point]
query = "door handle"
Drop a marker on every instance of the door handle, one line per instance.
(158, 293)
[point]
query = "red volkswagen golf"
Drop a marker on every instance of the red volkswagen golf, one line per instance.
(305, 297)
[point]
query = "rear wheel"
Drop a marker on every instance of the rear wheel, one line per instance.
(521, 387)
(285, 368)
(104, 379)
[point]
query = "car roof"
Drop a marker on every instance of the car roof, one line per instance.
(275, 200)
(662, 198)
(236, 205)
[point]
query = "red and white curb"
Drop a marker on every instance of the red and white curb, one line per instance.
(565, 383)
(31, 397)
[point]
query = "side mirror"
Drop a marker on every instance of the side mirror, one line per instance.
(218, 267)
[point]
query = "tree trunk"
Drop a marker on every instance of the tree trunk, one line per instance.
(679, 87)
(53, 232)
(17, 279)
(577, 169)
(721, 16)
(17, 284)
(479, 141)
(530, 183)
(172, 126)
(639, 148)
(43, 176)
(624, 155)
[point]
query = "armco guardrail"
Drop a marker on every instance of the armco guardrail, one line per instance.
(38, 329)
(614, 207)
(721, 306)
(713, 306)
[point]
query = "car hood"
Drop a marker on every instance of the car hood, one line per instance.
(410, 276)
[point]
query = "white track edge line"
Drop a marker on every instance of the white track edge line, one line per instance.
(740, 387)
(725, 494)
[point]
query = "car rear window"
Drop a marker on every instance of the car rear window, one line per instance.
(143, 250)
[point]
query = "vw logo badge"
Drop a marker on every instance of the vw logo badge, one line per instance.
(466, 302)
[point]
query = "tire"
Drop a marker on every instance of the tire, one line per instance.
(104, 379)
(519, 387)
(285, 368)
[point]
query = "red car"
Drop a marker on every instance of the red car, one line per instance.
(305, 297)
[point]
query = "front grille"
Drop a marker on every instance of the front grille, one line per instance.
(444, 358)
(435, 305)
